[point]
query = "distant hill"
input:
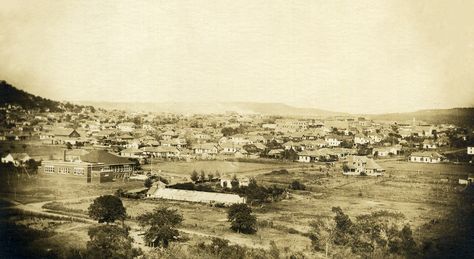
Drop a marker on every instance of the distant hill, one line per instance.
(284, 109)
(217, 107)
(457, 116)
(14, 96)
(11, 95)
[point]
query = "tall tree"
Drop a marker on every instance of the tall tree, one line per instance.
(194, 176)
(109, 241)
(322, 234)
(148, 182)
(161, 226)
(107, 208)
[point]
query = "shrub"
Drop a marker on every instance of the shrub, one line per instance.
(241, 218)
(296, 185)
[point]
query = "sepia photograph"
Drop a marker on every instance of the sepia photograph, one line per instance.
(236, 129)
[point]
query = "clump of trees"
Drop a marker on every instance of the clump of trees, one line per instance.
(201, 177)
(155, 178)
(241, 219)
(218, 248)
(255, 193)
(296, 185)
(380, 233)
(110, 241)
(108, 209)
(228, 131)
(192, 187)
(160, 226)
(290, 154)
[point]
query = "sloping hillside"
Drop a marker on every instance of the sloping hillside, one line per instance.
(11, 95)
(458, 116)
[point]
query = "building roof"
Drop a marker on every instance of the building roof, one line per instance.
(311, 153)
(131, 150)
(76, 152)
(197, 196)
(275, 151)
(230, 145)
(64, 132)
(260, 146)
(428, 141)
(371, 164)
(427, 154)
(368, 163)
(20, 156)
(205, 146)
(104, 157)
(160, 149)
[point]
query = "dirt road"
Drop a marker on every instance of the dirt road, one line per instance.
(135, 232)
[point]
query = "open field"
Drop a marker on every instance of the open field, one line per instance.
(416, 190)
(404, 168)
(34, 149)
(55, 187)
(180, 171)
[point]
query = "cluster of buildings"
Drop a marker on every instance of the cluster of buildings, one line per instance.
(361, 165)
(225, 136)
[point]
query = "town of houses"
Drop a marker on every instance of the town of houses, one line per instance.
(146, 136)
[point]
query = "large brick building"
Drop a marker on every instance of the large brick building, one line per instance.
(94, 166)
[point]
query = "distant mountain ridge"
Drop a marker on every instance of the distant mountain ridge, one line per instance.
(457, 116)
(11, 95)
(217, 107)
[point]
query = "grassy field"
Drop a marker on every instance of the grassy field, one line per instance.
(286, 222)
(42, 187)
(180, 171)
(403, 168)
(34, 149)
(416, 190)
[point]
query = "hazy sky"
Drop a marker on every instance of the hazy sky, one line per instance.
(352, 56)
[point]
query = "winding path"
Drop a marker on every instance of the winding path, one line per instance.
(135, 231)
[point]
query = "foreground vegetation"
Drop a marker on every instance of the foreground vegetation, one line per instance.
(365, 221)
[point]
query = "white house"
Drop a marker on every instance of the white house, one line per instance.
(375, 138)
(470, 150)
(426, 157)
(358, 165)
(332, 140)
(230, 148)
(16, 158)
(132, 153)
(361, 139)
(206, 148)
(429, 144)
(381, 152)
(308, 156)
(126, 126)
